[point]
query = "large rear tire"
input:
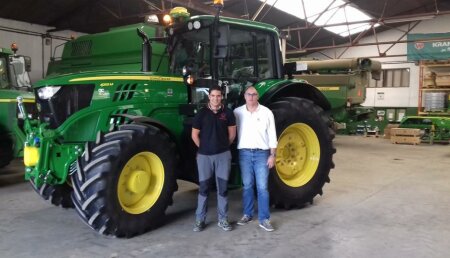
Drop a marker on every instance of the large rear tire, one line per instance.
(125, 182)
(304, 153)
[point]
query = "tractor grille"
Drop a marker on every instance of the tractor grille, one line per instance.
(68, 100)
(124, 92)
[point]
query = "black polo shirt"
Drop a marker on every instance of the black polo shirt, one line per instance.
(214, 130)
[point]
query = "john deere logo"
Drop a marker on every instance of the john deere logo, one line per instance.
(419, 45)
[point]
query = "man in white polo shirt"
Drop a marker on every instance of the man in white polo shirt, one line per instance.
(257, 142)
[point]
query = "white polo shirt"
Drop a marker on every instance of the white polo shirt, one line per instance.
(255, 130)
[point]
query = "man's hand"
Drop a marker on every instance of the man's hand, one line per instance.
(271, 161)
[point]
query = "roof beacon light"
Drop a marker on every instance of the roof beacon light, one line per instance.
(218, 3)
(14, 47)
(179, 14)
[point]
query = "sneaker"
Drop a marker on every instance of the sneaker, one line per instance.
(225, 225)
(265, 224)
(244, 220)
(199, 226)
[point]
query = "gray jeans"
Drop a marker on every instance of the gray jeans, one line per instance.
(219, 164)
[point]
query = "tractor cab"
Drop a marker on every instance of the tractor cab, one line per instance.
(209, 50)
(14, 69)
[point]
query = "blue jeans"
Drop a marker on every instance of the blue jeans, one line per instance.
(253, 164)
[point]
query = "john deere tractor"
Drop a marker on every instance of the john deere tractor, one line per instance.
(112, 144)
(14, 81)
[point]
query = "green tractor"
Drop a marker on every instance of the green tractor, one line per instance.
(344, 83)
(112, 143)
(433, 129)
(14, 82)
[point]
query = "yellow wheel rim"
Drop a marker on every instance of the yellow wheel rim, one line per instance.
(298, 155)
(140, 182)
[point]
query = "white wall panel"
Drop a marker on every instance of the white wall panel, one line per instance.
(31, 45)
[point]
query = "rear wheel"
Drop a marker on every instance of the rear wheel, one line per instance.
(304, 153)
(126, 181)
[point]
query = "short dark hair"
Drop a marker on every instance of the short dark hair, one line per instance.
(214, 87)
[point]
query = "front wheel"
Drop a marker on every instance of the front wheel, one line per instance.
(6, 149)
(58, 195)
(304, 152)
(126, 181)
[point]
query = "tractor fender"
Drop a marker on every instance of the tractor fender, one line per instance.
(296, 89)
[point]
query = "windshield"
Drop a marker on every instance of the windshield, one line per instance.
(191, 50)
(250, 56)
(242, 57)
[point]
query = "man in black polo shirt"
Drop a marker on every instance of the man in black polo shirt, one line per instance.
(213, 130)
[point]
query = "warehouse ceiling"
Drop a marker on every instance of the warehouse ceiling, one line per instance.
(91, 16)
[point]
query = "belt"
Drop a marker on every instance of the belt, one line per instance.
(256, 149)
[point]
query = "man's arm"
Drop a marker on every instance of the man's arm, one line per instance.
(195, 135)
(271, 159)
(272, 141)
(231, 133)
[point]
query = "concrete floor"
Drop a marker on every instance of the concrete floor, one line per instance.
(384, 200)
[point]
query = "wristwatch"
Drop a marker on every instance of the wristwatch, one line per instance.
(273, 154)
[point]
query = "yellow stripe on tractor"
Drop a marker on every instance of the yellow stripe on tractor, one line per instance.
(129, 77)
(328, 88)
(15, 100)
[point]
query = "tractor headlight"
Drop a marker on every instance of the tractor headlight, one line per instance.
(47, 92)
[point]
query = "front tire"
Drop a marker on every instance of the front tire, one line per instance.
(6, 149)
(58, 195)
(304, 153)
(126, 181)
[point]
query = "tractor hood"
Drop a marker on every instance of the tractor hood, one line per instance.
(102, 77)
(11, 96)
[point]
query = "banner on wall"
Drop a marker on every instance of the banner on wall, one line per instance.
(432, 46)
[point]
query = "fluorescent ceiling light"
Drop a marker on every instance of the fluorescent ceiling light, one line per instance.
(338, 12)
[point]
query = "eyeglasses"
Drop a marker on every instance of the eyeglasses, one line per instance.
(251, 94)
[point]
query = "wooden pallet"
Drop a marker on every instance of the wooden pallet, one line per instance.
(371, 134)
(405, 135)
(387, 130)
